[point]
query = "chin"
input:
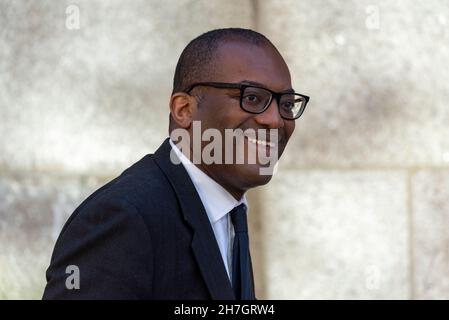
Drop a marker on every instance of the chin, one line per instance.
(252, 177)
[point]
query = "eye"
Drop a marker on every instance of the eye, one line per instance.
(251, 98)
(288, 105)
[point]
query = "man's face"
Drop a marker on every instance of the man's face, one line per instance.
(220, 109)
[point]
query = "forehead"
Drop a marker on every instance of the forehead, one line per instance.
(238, 61)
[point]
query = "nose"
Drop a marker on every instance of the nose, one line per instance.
(271, 117)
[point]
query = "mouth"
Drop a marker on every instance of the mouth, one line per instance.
(261, 142)
(262, 148)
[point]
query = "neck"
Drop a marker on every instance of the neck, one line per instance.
(236, 193)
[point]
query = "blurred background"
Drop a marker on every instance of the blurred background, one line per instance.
(359, 208)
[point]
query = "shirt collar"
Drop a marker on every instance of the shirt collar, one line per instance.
(216, 200)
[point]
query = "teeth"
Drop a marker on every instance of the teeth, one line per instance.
(261, 142)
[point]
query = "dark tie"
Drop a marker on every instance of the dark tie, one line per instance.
(242, 275)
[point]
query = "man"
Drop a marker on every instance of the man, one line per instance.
(164, 230)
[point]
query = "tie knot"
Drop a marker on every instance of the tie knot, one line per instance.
(238, 218)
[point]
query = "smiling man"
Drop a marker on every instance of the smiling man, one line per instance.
(174, 225)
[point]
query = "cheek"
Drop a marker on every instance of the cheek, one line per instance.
(221, 113)
(207, 112)
(289, 128)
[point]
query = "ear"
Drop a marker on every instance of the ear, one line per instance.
(182, 108)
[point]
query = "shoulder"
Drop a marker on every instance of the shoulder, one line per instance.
(142, 189)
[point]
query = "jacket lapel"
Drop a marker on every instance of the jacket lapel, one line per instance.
(204, 244)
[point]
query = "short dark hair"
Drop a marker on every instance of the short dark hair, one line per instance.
(196, 62)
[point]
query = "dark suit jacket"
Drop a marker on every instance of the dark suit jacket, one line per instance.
(144, 235)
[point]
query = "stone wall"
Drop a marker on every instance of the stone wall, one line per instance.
(360, 205)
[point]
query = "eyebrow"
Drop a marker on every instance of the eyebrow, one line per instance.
(258, 84)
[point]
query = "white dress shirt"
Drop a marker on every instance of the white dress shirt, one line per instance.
(218, 202)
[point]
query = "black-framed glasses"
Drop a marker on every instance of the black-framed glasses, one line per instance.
(255, 99)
